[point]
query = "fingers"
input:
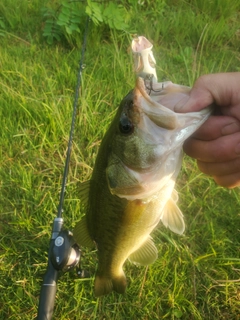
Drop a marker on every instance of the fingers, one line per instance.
(216, 146)
(228, 181)
(223, 149)
(220, 168)
(217, 126)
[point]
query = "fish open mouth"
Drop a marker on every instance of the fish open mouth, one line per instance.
(148, 157)
(164, 92)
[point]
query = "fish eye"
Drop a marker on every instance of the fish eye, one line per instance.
(125, 125)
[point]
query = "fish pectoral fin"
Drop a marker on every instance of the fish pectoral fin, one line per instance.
(104, 285)
(84, 191)
(145, 255)
(81, 234)
(172, 216)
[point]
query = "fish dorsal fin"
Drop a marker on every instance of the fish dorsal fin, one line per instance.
(84, 191)
(172, 216)
(146, 254)
(81, 234)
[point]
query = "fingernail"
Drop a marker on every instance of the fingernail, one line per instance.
(237, 149)
(182, 105)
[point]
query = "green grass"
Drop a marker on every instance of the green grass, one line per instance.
(197, 276)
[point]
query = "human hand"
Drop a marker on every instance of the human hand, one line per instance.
(216, 144)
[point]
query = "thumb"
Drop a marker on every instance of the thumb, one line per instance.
(198, 99)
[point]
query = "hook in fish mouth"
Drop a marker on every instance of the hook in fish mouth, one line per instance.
(148, 82)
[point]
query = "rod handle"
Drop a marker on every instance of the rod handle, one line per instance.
(48, 293)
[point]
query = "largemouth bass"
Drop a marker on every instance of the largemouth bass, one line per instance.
(132, 185)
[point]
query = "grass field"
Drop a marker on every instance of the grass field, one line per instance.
(197, 276)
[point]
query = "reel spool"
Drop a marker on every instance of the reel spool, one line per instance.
(65, 253)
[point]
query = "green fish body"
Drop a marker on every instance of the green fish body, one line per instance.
(132, 185)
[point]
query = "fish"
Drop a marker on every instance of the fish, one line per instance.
(132, 188)
(132, 185)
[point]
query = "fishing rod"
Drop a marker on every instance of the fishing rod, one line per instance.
(64, 254)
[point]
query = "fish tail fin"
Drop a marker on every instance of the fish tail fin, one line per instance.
(104, 285)
(119, 283)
